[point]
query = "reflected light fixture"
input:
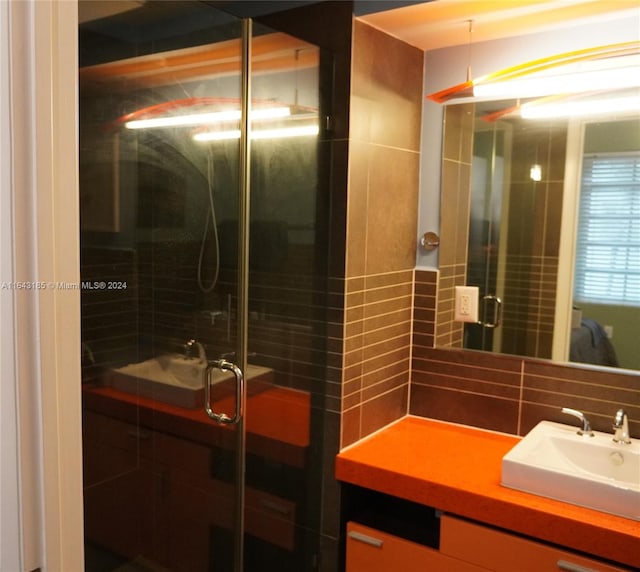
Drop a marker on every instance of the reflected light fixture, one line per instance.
(277, 133)
(542, 109)
(226, 120)
(207, 118)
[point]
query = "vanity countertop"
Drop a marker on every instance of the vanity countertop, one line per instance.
(457, 469)
(266, 433)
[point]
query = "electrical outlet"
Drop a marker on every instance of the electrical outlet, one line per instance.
(609, 331)
(466, 304)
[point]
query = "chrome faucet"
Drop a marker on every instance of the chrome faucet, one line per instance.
(586, 426)
(621, 427)
(191, 346)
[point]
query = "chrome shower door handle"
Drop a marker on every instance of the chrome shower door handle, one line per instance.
(497, 311)
(224, 365)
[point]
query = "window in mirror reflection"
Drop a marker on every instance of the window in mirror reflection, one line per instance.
(607, 270)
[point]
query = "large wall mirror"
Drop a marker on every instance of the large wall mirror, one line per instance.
(554, 233)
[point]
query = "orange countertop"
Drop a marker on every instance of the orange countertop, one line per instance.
(456, 469)
(267, 435)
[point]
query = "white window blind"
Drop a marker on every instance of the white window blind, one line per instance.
(608, 251)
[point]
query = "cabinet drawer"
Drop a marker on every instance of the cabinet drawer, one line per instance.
(270, 518)
(107, 437)
(105, 430)
(370, 550)
(505, 552)
(109, 451)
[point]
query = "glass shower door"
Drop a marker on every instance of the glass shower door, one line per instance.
(487, 230)
(203, 258)
(162, 303)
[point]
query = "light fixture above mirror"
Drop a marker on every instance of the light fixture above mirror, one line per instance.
(611, 67)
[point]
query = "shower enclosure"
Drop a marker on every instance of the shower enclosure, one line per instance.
(203, 265)
(488, 202)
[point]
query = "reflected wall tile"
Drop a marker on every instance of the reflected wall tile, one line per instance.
(553, 218)
(462, 220)
(449, 213)
(557, 153)
(453, 132)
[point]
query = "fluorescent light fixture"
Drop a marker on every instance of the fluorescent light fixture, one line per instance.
(207, 118)
(279, 133)
(577, 82)
(613, 67)
(571, 108)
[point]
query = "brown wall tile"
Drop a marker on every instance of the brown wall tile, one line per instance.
(357, 210)
(392, 215)
(385, 111)
(376, 359)
(509, 393)
(599, 394)
(466, 408)
(384, 409)
(350, 432)
(387, 96)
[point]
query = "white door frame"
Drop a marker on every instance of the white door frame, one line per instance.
(41, 323)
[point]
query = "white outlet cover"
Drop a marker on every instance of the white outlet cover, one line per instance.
(466, 304)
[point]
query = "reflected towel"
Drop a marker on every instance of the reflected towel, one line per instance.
(597, 331)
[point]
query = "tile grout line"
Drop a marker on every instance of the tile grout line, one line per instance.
(520, 398)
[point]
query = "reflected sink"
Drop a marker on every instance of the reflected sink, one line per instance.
(594, 472)
(173, 379)
(171, 369)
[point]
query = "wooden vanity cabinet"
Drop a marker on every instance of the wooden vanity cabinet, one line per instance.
(149, 494)
(464, 547)
(501, 551)
(385, 533)
(371, 550)
(152, 495)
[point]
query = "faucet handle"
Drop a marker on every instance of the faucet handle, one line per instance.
(586, 426)
(192, 345)
(621, 427)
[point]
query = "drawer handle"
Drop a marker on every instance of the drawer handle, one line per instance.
(570, 567)
(275, 507)
(365, 538)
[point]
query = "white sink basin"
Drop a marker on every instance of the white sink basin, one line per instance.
(170, 378)
(174, 379)
(170, 369)
(554, 461)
